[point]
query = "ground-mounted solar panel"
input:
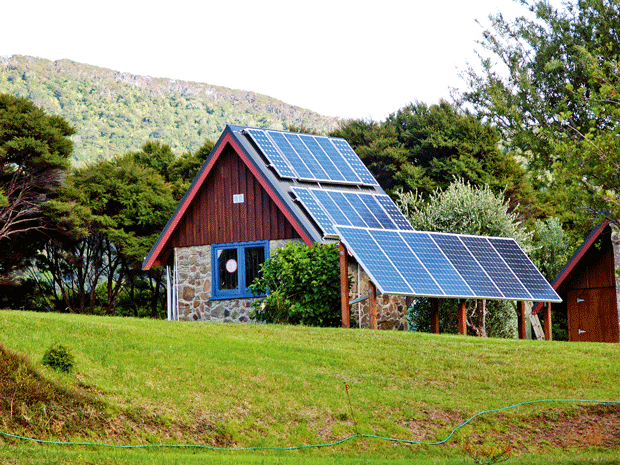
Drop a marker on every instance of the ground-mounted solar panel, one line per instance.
(447, 277)
(496, 268)
(277, 159)
(378, 266)
(525, 270)
(440, 265)
(467, 266)
(417, 276)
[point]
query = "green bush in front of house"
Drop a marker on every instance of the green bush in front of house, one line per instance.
(302, 285)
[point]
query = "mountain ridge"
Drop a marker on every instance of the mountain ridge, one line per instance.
(115, 112)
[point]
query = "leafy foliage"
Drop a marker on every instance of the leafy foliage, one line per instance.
(554, 97)
(421, 147)
(58, 357)
(466, 209)
(34, 153)
(114, 113)
(303, 286)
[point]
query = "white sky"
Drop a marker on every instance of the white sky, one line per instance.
(345, 58)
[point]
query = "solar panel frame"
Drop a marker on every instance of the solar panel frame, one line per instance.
(377, 263)
(393, 211)
(496, 267)
(521, 265)
(318, 214)
(323, 159)
(289, 153)
(277, 160)
(306, 156)
(467, 266)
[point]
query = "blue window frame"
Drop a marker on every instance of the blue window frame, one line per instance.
(234, 266)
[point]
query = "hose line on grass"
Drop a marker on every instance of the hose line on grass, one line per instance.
(331, 444)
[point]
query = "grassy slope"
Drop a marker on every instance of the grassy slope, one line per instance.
(259, 385)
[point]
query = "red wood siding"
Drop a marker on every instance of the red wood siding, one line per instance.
(589, 295)
(213, 218)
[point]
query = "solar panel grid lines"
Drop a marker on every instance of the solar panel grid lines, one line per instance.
(395, 214)
(525, 270)
(343, 204)
(406, 262)
(354, 161)
(339, 161)
(318, 214)
(362, 210)
(307, 156)
(437, 264)
(378, 266)
(278, 161)
(495, 266)
(467, 266)
(322, 158)
(289, 153)
(382, 217)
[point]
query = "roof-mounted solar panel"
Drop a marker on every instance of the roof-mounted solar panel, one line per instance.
(311, 158)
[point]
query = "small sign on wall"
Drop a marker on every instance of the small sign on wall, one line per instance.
(238, 198)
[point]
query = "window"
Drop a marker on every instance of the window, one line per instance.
(234, 267)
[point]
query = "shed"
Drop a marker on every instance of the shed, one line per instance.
(244, 203)
(589, 287)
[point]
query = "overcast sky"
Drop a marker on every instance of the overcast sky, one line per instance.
(351, 59)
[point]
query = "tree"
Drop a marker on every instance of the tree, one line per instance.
(465, 209)
(421, 147)
(554, 97)
(34, 152)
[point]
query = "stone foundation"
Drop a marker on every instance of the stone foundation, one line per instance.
(391, 309)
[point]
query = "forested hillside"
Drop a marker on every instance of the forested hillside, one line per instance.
(114, 112)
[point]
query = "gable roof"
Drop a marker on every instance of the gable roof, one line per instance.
(279, 177)
(574, 260)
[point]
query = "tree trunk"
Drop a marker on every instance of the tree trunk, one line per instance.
(477, 317)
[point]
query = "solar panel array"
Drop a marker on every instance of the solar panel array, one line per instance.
(350, 208)
(446, 265)
(309, 157)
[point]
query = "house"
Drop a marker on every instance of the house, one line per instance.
(256, 191)
(590, 287)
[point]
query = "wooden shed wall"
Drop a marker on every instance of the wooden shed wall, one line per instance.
(213, 218)
(589, 295)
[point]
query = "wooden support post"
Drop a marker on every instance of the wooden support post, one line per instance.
(521, 317)
(435, 316)
(372, 305)
(548, 335)
(344, 286)
(462, 317)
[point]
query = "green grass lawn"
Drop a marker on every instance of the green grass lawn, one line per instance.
(240, 386)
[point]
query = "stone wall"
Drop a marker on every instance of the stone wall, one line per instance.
(193, 276)
(391, 309)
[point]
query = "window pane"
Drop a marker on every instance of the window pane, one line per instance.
(254, 256)
(228, 268)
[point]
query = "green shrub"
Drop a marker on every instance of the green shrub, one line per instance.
(302, 285)
(58, 358)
